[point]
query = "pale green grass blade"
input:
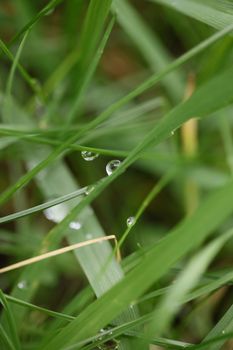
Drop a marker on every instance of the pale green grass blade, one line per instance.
(185, 281)
(48, 7)
(106, 114)
(10, 321)
(151, 195)
(14, 66)
(90, 69)
(227, 139)
(38, 308)
(149, 45)
(5, 340)
(208, 12)
(224, 326)
(31, 81)
(40, 207)
(185, 237)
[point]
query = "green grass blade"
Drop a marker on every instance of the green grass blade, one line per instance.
(14, 66)
(207, 12)
(10, 321)
(48, 7)
(38, 308)
(5, 340)
(89, 71)
(185, 281)
(149, 45)
(44, 206)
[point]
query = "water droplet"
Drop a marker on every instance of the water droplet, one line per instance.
(130, 221)
(75, 225)
(112, 166)
(173, 132)
(49, 12)
(56, 213)
(22, 285)
(89, 156)
(89, 189)
(223, 332)
(89, 236)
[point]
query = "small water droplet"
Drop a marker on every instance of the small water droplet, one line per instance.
(89, 156)
(89, 236)
(49, 12)
(75, 225)
(223, 332)
(112, 166)
(22, 285)
(56, 213)
(130, 221)
(89, 189)
(173, 132)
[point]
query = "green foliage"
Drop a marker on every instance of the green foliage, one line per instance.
(86, 82)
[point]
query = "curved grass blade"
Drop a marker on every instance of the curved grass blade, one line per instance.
(10, 322)
(207, 12)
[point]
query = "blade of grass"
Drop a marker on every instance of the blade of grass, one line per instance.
(224, 326)
(31, 81)
(202, 11)
(5, 340)
(185, 281)
(89, 68)
(44, 206)
(10, 322)
(46, 9)
(149, 45)
(38, 308)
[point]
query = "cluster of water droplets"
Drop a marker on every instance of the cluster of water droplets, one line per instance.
(111, 344)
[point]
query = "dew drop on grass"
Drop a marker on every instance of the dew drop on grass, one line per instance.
(75, 225)
(130, 221)
(112, 166)
(89, 189)
(22, 285)
(223, 332)
(89, 156)
(49, 12)
(56, 213)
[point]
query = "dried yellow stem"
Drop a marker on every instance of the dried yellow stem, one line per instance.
(58, 252)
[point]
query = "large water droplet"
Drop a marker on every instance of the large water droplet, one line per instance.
(75, 225)
(89, 156)
(22, 285)
(130, 221)
(112, 166)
